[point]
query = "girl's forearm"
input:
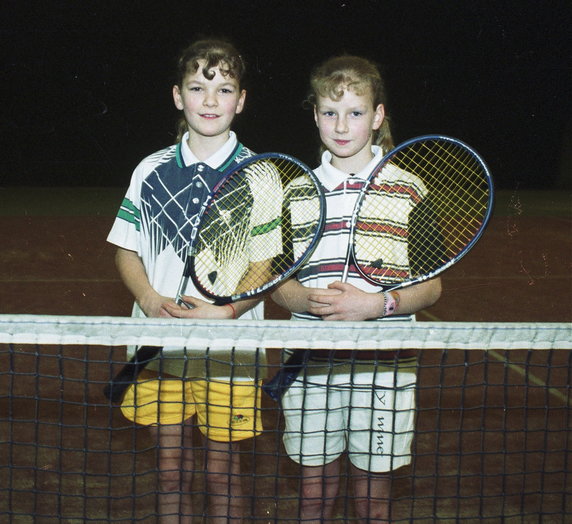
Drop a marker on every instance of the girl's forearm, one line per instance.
(134, 276)
(419, 296)
(292, 296)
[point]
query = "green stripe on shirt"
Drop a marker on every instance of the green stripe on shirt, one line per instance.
(130, 213)
(265, 228)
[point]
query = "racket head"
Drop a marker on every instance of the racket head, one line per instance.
(258, 225)
(423, 208)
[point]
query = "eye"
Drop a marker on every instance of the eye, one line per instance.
(328, 113)
(357, 114)
(227, 90)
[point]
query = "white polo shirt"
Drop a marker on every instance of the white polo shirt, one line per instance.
(166, 192)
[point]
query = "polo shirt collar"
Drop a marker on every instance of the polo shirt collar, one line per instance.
(333, 177)
(216, 160)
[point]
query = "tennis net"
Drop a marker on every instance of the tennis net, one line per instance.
(492, 436)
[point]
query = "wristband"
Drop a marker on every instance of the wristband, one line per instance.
(390, 302)
(233, 310)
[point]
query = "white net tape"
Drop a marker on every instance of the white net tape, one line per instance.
(243, 334)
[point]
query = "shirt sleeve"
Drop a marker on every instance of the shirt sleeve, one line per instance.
(126, 228)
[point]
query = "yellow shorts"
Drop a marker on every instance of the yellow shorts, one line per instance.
(225, 411)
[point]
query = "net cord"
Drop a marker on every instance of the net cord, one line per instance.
(244, 334)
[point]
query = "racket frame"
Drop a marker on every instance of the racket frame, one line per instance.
(211, 199)
(376, 170)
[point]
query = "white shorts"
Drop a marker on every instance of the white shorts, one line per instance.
(334, 407)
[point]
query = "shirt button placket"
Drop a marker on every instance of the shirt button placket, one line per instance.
(197, 190)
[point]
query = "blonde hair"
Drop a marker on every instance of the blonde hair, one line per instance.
(340, 73)
(215, 53)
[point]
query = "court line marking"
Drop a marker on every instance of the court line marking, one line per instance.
(516, 368)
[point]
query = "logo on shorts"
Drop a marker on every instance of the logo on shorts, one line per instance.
(238, 420)
(381, 396)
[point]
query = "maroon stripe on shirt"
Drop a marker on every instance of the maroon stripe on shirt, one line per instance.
(382, 228)
(397, 188)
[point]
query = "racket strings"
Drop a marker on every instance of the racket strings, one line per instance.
(258, 225)
(397, 236)
(464, 200)
(223, 237)
(459, 178)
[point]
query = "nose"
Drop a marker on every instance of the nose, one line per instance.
(341, 125)
(210, 99)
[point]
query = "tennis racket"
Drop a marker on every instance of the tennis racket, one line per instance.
(258, 225)
(421, 210)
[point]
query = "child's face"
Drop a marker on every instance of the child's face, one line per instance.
(209, 106)
(346, 125)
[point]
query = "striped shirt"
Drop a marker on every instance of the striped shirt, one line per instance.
(329, 259)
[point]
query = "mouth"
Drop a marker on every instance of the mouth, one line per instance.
(341, 142)
(209, 116)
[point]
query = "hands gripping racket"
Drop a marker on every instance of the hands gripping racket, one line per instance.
(256, 228)
(421, 210)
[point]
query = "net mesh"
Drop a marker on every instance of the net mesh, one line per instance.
(492, 433)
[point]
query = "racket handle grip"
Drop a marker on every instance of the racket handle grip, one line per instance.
(115, 390)
(288, 373)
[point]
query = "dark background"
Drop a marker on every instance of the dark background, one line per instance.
(86, 85)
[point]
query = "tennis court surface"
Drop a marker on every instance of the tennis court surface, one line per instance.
(494, 426)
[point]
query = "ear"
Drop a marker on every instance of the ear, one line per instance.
(378, 117)
(316, 115)
(177, 98)
(241, 101)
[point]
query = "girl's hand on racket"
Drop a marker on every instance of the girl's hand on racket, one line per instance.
(152, 304)
(346, 303)
(192, 307)
(294, 297)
